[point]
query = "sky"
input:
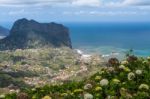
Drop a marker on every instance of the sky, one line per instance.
(75, 10)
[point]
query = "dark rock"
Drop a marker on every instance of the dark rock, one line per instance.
(31, 34)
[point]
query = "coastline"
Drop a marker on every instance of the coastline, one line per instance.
(110, 51)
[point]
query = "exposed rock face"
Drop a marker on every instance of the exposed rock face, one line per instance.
(31, 34)
(3, 31)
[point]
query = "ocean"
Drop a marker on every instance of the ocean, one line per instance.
(106, 38)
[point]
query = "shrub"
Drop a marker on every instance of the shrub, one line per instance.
(113, 62)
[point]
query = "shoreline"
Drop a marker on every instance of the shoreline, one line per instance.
(107, 51)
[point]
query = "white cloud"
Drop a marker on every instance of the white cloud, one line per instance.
(128, 2)
(137, 2)
(125, 3)
(22, 11)
(20, 3)
(23, 3)
(90, 3)
(103, 13)
(75, 3)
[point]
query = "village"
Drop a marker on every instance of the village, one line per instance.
(80, 65)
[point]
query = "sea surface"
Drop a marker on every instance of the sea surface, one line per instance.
(106, 38)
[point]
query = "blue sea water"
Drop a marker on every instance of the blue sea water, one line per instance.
(108, 37)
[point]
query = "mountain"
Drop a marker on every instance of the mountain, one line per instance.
(3, 31)
(31, 34)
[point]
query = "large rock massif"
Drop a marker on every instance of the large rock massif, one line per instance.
(31, 34)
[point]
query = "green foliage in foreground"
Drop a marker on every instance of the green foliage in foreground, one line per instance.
(130, 79)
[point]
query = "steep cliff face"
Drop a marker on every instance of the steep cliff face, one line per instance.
(31, 34)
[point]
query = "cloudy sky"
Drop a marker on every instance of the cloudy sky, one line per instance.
(75, 10)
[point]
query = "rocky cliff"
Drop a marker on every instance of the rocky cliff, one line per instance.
(31, 34)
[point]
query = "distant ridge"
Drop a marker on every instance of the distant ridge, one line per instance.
(3, 31)
(31, 34)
